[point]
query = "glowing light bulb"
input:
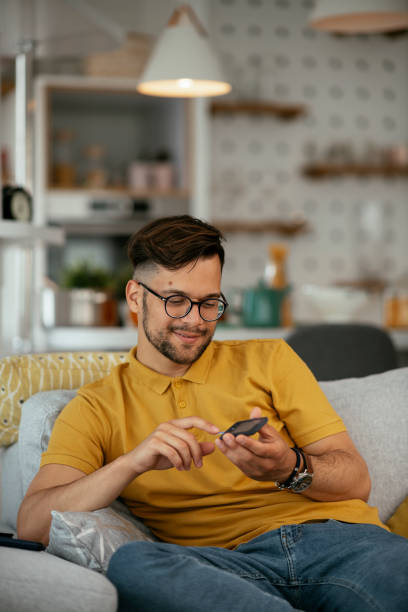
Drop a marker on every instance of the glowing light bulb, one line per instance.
(185, 83)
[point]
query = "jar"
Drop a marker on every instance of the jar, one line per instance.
(396, 304)
(95, 171)
(64, 174)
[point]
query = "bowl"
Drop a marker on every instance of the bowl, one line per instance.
(334, 304)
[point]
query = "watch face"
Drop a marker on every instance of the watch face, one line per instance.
(302, 482)
(20, 206)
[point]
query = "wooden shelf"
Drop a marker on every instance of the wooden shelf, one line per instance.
(26, 233)
(257, 107)
(326, 170)
(120, 191)
(287, 228)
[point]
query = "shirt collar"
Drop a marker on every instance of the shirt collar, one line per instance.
(197, 372)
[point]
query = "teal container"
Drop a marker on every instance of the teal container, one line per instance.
(261, 306)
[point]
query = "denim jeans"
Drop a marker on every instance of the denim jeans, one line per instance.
(328, 566)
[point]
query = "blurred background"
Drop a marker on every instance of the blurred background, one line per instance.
(303, 166)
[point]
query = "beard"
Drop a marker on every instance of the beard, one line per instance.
(162, 339)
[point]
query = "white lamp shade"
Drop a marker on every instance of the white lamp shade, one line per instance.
(183, 64)
(360, 16)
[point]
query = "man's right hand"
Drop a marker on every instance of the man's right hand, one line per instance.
(172, 445)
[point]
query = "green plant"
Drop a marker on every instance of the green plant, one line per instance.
(121, 279)
(84, 276)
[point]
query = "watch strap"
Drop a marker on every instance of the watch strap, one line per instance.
(288, 482)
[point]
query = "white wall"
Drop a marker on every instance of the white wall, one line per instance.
(356, 91)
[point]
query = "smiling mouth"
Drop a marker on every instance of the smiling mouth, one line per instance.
(188, 336)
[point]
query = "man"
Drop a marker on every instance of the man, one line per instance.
(278, 521)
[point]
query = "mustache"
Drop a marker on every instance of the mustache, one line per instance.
(188, 329)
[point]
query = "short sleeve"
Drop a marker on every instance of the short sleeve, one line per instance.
(300, 401)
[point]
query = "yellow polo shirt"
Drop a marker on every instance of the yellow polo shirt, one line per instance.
(216, 505)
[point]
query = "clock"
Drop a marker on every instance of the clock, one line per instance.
(17, 203)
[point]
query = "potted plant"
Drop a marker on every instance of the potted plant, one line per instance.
(87, 293)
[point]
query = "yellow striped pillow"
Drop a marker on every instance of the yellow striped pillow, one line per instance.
(23, 375)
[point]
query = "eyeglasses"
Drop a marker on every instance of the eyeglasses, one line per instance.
(178, 306)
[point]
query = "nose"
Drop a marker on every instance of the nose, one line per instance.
(194, 315)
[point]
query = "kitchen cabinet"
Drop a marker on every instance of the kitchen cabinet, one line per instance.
(102, 145)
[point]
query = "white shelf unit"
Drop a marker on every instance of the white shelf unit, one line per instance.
(19, 303)
(25, 234)
(70, 207)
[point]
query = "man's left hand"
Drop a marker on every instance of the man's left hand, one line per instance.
(269, 458)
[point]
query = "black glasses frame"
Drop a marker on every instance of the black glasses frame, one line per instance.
(192, 303)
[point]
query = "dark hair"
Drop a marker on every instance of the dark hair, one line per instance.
(174, 242)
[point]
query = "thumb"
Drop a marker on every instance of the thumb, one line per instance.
(256, 413)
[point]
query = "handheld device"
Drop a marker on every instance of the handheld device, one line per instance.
(6, 539)
(247, 428)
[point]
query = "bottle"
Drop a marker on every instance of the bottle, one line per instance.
(275, 278)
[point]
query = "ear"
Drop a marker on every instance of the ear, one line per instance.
(134, 296)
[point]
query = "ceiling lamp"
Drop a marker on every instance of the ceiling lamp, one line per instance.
(360, 16)
(182, 63)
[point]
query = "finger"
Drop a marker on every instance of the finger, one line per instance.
(235, 452)
(180, 446)
(265, 447)
(256, 413)
(195, 421)
(207, 448)
(190, 444)
(170, 453)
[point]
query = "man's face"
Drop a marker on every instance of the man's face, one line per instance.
(163, 341)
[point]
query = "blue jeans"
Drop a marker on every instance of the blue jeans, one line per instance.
(328, 566)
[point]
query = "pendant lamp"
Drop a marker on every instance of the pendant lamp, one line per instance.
(360, 16)
(183, 63)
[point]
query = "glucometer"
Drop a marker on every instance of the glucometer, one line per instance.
(246, 428)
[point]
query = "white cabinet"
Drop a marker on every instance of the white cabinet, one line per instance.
(18, 297)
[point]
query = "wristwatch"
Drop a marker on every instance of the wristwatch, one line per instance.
(303, 480)
(298, 482)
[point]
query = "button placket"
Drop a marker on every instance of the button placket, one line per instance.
(179, 395)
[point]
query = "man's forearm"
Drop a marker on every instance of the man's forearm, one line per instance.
(84, 494)
(338, 475)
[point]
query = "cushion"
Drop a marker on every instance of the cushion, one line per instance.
(374, 410)
(23, 375)
(37, 420)
(11, 488)
(91, 538)
(38, 582)
(398, 523)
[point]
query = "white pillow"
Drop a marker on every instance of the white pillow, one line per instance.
(375, 411)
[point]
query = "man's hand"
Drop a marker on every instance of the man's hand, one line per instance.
(269, 458)
(171, 445)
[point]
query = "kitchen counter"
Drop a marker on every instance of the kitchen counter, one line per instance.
(122, 338)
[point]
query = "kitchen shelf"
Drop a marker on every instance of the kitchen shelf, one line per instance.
(287, 228)
(326, 170)
(108, 227)
(120, 191)
(26, 233)
(257, 107)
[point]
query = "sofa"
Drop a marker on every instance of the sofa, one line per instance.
(70, 575)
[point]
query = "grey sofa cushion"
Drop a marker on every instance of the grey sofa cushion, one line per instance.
(375, 411)
(38, 416)
(11, 487)
(39, 582)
